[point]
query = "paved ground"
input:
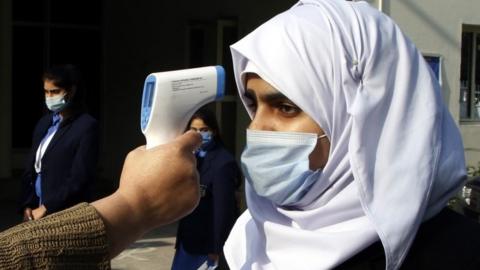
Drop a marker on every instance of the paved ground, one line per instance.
(154, 251)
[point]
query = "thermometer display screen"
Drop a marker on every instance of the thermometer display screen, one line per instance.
(147, 97)
(147, 101)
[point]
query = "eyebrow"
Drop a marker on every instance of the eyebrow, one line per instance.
(268, 97)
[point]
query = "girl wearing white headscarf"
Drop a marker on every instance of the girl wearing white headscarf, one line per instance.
(395, 158)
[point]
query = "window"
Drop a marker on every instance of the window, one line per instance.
(435, 63)
(470, 74)
(45, 33)
(209, 44)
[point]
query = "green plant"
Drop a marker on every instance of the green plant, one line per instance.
(473, 171)
(462, 199)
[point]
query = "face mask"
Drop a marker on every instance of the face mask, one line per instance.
(206, 137)
(276, 164)
(55, 103)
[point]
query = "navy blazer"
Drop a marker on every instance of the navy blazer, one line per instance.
(446, 241)
(68, 164)
(206, 229)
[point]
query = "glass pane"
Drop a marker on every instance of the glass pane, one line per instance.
(29, 11)
(476, 93)
(84, 12)
(82, 48)
(27, 94)
(465, 74)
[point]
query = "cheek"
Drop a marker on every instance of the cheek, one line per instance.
(303, 123)
(263, 119)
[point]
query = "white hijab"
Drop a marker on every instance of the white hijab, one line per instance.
(396, 155)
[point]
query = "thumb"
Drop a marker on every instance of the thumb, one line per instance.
(189, 141)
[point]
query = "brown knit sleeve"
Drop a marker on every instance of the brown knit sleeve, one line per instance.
(71, 239)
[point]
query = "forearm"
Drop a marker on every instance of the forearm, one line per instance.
(75, 237)
(123, 222)
(157, 187)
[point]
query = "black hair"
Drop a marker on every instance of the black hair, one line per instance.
(208, 117)
(68, 77)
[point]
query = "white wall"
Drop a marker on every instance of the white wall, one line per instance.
(435, 26)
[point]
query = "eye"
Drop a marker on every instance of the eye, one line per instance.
(53, 91)
(288, 109)
(251, 105)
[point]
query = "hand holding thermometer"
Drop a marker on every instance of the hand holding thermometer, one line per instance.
(170, 98)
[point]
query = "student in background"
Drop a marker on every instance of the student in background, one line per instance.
(61, 166)
(201, 234)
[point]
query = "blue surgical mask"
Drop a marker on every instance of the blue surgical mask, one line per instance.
(206, 137)
(276, 165)
(56, 103)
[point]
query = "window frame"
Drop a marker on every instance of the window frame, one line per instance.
(48, 28)
(470, 85)
(216, 50)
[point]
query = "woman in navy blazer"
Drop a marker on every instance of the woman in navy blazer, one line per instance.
(61, 165)
(201, 235)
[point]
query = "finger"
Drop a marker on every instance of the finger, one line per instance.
(134, 152)
(140, 148)
(190, 140)
(28, 213)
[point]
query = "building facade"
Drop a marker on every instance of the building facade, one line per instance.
(449, 33)
(118, 43)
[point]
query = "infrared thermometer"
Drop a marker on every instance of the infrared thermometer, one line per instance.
(170, 99)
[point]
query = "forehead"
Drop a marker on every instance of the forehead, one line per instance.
(47, 84)
(255, 83)
(198, 123)
(261, 91)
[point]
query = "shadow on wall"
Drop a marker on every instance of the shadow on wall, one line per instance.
(428, 20)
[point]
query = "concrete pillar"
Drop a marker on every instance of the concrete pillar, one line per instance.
(5, 88)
